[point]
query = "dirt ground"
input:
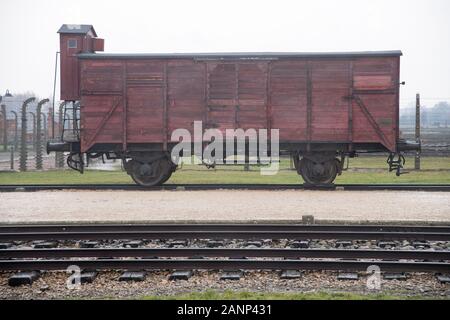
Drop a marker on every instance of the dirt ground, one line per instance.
(223, 205)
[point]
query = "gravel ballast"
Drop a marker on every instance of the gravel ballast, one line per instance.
(52, 285)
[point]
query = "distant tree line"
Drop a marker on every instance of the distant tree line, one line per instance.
(437, 116)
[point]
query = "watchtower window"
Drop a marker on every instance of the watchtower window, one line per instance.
(72, 44)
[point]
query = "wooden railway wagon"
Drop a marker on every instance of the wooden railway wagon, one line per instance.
(327, 106)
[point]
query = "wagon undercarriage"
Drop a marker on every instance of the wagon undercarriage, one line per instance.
(149, 164)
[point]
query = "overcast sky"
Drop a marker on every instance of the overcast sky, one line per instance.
(421, 29)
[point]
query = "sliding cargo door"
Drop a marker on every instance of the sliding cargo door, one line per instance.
(145, 91)
(186, 94)
(122, 102)
(252, 94)
(236, 95)
(329, 110)
(222, 99)
(101, 103)
(308, 102)
(375, 103)
(288, 99)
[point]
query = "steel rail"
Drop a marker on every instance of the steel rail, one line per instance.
(224, 252)
(232, 264)
(168, 235)
(111, 227)
(131, 187)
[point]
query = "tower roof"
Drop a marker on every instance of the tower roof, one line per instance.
(77, 29)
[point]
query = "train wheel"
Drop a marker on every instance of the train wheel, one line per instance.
(318, 172)
(152, 173)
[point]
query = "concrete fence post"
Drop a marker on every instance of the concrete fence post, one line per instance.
(16, 129)
(45, 135)
(12, 157)
(33, 136)
(23, 136)
(417, 133)
(59, 158)
(39, 145)
(5, 127)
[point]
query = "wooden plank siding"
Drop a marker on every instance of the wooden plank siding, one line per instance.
(306, 99)
(288, 95)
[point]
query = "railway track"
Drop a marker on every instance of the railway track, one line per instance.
(132, 187)
(223, 252)
(235, 227)
(220, 231)
(223, 258)
(230, 264)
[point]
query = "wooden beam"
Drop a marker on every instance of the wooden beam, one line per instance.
(309, 105)
(102, 123)
(372, 121)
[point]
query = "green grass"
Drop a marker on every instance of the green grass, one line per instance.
(232, 295)
(437, 170)
(64, 177)
(427, 163)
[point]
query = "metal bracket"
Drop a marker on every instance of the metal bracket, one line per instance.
(396, 161)
(209, 165)
(75, 161)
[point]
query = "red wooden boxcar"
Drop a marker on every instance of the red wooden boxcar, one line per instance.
(326, 105)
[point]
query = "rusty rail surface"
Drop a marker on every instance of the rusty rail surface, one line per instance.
(230, 264)
(247, 235)
(220, 231)
(235, 253)
(235, 227)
